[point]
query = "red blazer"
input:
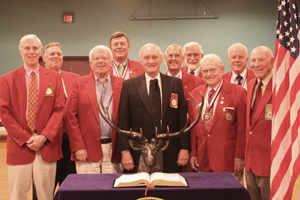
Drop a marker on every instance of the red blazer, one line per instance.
(249, 73)
(258, 134)
(83, 123)
(185, 69)
(135, 69)
(225, 141)
(13, 103)
(68, 77)
(189, 83)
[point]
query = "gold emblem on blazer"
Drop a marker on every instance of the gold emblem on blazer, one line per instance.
(174, 100)
(268, 113)
(49, 92)
(206, 116)
(228, 116)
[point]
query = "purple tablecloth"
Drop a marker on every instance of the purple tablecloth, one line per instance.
(211, 185)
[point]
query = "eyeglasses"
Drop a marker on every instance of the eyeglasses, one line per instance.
(212, 71)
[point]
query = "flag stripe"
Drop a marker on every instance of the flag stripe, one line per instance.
(285, 160)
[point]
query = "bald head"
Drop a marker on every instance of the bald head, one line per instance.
(174, 58)
(261, 61)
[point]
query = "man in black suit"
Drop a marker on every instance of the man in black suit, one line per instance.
(136, 112)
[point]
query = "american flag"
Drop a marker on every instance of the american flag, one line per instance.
(285, 156)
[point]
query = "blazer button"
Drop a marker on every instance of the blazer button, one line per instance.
(98, 139)
(208, 135)
(250, 133)
(98, 126)
(61, 126)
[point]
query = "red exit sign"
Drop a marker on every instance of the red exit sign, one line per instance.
(68, 17)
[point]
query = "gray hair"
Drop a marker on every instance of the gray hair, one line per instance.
(148, 45)
(30, 36)
(238, 45)
(192, 44)
(103, 47)
(213, 57)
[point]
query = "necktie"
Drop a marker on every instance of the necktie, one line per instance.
(121, 69)
(258, 95)
(192, 72)
(32, 102)
(208, 115)
(155, 104)
(239, 79)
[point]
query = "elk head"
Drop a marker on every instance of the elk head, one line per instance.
(160, 142)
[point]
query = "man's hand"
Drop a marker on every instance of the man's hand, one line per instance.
(194, 163)
(239, 165)
(127, 160)
(183, 157)
(35, 142)
(81, 155)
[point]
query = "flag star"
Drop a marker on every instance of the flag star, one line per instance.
(294, 7)
(285, 23)
(280, 37)
(277, 32)
(279, 7)
(288, 44)
(292, 39)
(291, 29)
(293, 49)
(295, 16)
(287, 33)
(284, 13)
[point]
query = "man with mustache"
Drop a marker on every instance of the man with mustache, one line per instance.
(193, 53)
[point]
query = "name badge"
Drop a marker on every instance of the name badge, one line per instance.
(174, 100)
(49, 92)
(268, 113)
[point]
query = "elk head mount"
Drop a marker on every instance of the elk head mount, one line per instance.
(151, 152)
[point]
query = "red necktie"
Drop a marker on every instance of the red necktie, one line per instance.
(32, 102)
(208, 115)
(257, 100)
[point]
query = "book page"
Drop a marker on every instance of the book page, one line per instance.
(163, 179)
(142, 178)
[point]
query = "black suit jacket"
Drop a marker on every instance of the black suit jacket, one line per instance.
(135, 113)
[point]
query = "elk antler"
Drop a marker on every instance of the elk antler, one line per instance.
(111, 121)
(163, 136)
(166, 136)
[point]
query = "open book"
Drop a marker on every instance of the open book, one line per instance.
(155, 179)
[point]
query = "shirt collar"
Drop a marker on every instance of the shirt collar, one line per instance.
(124, 63)
(243, 74)
(196, 72)
(29, 70)
(179, 75)
(267, 79)
(148, 78)
(107, 80)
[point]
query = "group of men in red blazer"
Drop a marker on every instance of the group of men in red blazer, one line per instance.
(219, 145)
(237, 133)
